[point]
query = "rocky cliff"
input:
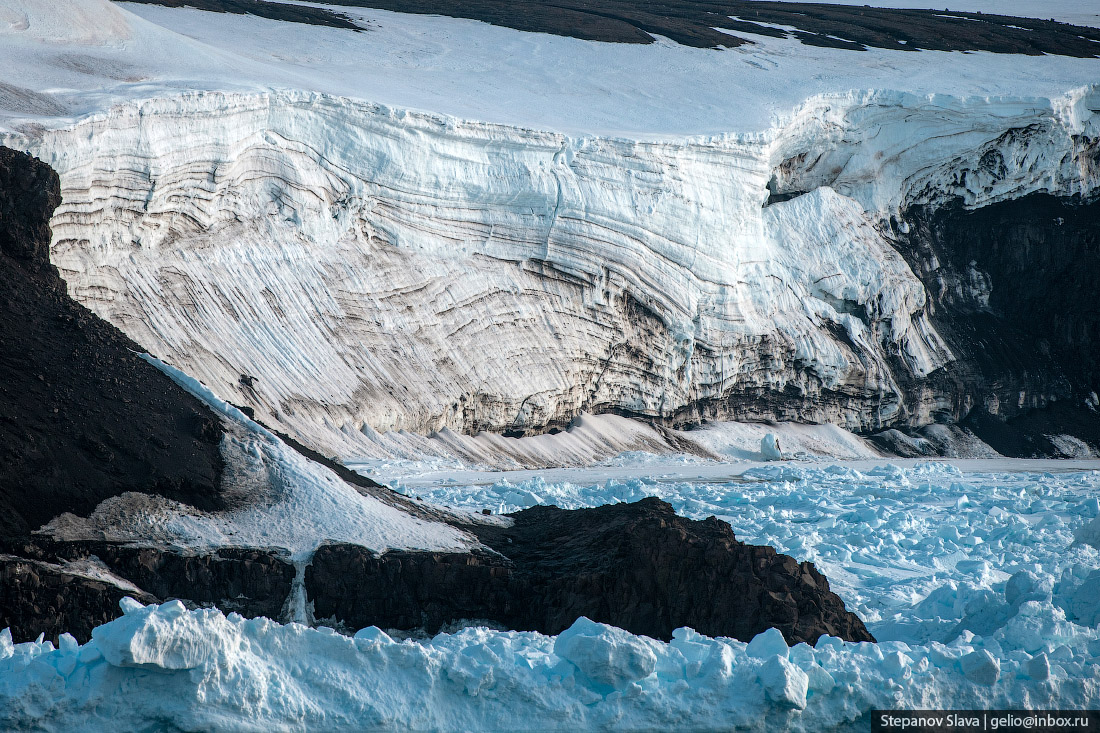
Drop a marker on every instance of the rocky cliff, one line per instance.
(84, 417)
(636, 566)
(1013, 292)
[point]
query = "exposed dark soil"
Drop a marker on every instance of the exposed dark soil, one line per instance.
(694, 23)
(82, 417)
(638, 566)
(264, 9)
(1015, 295)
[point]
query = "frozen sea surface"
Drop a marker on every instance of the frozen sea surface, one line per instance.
(977, 578)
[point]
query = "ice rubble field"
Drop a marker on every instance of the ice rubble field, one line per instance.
(980, 586)
(915, 550)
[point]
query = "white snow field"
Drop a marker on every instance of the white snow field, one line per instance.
(970, 577)
(438, 224)
(68, 58)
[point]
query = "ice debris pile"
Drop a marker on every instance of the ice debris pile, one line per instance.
(201, 670)
(981, 587)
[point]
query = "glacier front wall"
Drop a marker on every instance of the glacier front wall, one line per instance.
(345, 268)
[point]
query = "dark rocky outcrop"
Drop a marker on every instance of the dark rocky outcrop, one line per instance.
(355, 588)
(637, 566)
(697, 23)
(44, 598)
(263, 9)
(1014, 293)
(1031, 432)
(41, 593)
(84, 418)
(246, 581)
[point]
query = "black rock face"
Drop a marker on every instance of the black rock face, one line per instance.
(29, 193)
(1014, 292)
(637, 566)
(40, 593)
(245, 581)
(263, 9)
(44, 598)
(83, 418)
(408, 590)
(644, 568)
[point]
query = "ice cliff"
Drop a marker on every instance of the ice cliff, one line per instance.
(129, 476)
(345, 267)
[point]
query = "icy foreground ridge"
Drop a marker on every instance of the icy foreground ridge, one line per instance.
(200, 670)
(378, 270)
(984, 593)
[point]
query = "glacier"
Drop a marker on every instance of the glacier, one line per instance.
(343, 267)
(403, 246)
(679, 235)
